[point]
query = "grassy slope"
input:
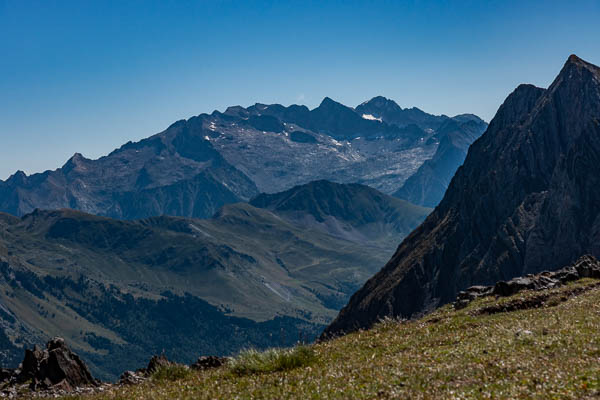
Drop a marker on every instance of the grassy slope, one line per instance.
(229, 261)
(248, 262)
(547, 352)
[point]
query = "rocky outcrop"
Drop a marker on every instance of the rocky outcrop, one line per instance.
(54, 368)
(157, 362)
(209, 362)
(527, 199)
(56, 371)
(585, 267)
(140, 375)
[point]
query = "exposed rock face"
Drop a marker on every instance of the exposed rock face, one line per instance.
(527, 199)
(195, 166)
(585, 267)
(176, 172)
(428, 185)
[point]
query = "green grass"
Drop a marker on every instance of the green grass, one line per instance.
(273, 360)
(170, 373)
(548, 352)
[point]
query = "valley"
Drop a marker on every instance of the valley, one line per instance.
(253, 275)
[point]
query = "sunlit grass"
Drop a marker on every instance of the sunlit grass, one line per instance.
(172, 372)
(272, 360)
(548, 352)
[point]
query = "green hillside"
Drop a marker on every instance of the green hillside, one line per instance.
(128, 289)
(349, 211)
(547, 349)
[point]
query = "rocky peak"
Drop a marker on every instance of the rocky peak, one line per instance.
(577, 62)
(56, 367)
(328, 103)
(236, 111)
(525, 200)
(77, 161)
(18, 178)
(381, 103)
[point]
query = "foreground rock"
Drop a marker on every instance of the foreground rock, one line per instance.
(157, 362)
(138, 376)
(209, 362)
(55, 369)
(586, 266)
(56, 366)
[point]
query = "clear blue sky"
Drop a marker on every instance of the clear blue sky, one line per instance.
(87, 76)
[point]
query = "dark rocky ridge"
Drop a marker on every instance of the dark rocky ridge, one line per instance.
(527, 199)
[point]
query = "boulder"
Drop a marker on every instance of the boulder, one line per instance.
(209, 362)
(132, 378)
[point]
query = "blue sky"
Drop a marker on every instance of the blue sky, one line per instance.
(87, 76)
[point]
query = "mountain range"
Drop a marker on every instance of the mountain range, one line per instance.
(262, 274)
(198, 165)
(526, 199)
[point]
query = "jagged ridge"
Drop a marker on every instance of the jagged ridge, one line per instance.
(526, 199)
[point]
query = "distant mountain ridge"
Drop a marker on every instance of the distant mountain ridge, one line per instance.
(354, 212)
(177, 172)
(525, 200)
(389, 111)
(198, 165)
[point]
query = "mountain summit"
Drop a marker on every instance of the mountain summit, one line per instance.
(196, 166)
(527, 199)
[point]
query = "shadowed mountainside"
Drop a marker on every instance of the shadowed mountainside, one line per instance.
(428, 185)
(527, 198)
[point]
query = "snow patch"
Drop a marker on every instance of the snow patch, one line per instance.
(370, 117)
